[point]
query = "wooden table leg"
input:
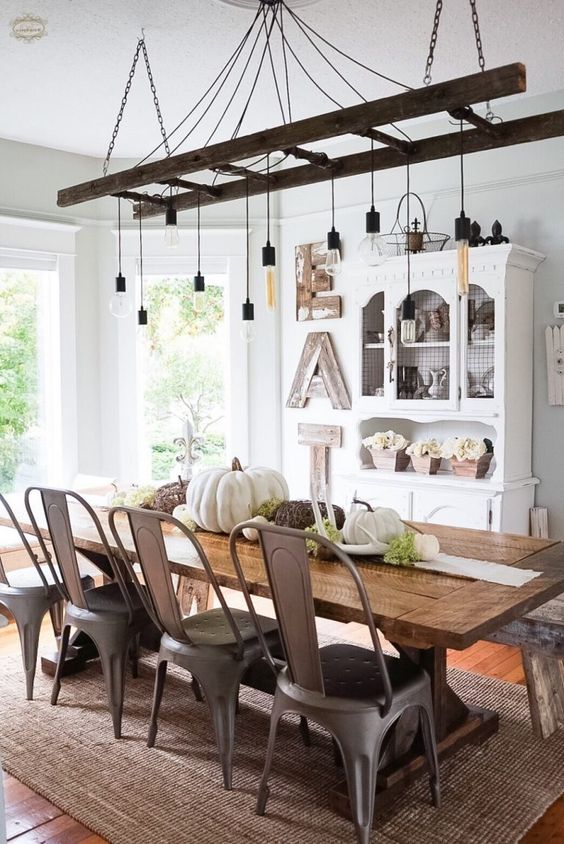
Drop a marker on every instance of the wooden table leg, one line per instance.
(456, 725)
(193, 595)
(545, 688)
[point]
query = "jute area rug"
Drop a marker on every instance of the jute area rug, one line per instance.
(172, 793)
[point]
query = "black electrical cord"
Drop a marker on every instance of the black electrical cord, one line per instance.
(273, 67)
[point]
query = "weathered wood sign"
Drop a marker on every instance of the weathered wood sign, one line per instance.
(318, 374)
(320, 439)
(311, 280)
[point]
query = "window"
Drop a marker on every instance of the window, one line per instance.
(25, 356)
(182, 358)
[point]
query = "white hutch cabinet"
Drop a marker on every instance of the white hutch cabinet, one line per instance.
(469, 373)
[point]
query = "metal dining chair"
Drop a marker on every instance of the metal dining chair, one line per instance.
(28, 593)
(355, 693)
(216, 646)
(112, 615)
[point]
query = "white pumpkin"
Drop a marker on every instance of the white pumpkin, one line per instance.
(219, 499)
(251, 533)
(427, 546)
(183, 514)
(372, 527)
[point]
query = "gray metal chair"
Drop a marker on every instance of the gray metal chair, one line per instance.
(112, 615)
(216, 646)
(355, 693)
(28, 594)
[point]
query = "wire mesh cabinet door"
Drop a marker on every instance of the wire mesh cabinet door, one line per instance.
(426, 372)
(481, 326)
(374, 382)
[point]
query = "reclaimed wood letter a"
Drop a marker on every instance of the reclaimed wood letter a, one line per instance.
(318, 374)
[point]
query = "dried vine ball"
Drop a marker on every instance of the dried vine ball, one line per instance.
(169, 496)
(300, 515)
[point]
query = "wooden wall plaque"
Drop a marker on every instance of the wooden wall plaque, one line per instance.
(318, 374)
(313, 284)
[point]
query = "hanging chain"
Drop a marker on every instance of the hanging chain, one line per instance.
(140, 46)
(433, 43)
(481, 61)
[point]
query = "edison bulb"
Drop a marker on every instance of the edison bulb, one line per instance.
(270, 287)
(372, 250)
(198, 300)
(120, 306)
(247, 330)
(407, 334)
(172, 238)
(333, 262)
(462, 270)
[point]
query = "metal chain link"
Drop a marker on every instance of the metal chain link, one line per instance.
(433, 43)
(140, 46)
(481, 61)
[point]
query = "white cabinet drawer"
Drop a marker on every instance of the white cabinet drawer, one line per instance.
(448, 507)
(381, 496)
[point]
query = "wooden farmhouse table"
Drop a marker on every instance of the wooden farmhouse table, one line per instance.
(421, 612)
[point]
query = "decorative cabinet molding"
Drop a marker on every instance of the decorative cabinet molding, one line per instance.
(469, 373)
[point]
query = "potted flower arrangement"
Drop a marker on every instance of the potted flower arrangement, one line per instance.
(469, 457)
(387, 450)
(425, 456)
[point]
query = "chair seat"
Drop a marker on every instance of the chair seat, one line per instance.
(352, 672)
(109, 598)
(28, 578)
(212, 628)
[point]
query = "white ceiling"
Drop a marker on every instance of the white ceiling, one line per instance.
(64, 91)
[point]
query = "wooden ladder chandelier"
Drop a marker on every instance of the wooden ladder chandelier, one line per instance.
(160, 186)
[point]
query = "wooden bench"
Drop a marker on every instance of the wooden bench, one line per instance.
(540, 635)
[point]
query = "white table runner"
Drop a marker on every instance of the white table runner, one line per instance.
(479, 570)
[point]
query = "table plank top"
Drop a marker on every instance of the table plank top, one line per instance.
(411, 606)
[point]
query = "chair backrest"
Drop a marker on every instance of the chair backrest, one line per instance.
(55, 503)
(146, 529)
(288, 571)
(25, 543)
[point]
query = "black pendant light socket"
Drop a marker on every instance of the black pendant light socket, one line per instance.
(199, 283)
(268, 255)
(408, 308)
(333, 239)
(171, 217)
(462, 227)
(120, 283)
(142, 316)
(372, 221)
(248, 311)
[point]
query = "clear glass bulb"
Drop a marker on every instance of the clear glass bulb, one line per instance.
(120, 305)
(407, 333)
(333, 262)
(247, 330)
(372, 250)
(198, 300)
(462, 270)
(270, 287)
(172, 238)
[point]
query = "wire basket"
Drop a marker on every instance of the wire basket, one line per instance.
(399, 240)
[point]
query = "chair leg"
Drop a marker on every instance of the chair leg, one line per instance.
(114, 661)
(134, 655)
(264, 791)
(29, 628)
(56, 611)
(304, 731)
(360, 751)
(221, 691)
(160, 678)
(197, 690)
(430, 744)
(63, 645)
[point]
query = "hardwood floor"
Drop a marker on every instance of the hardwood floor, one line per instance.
(33, 820)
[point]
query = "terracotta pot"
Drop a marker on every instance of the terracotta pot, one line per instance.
(426, 465)
(393, 461)
(472, 468)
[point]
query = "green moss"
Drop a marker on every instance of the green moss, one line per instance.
(268, 508)
(402, 551)
(333, 535)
